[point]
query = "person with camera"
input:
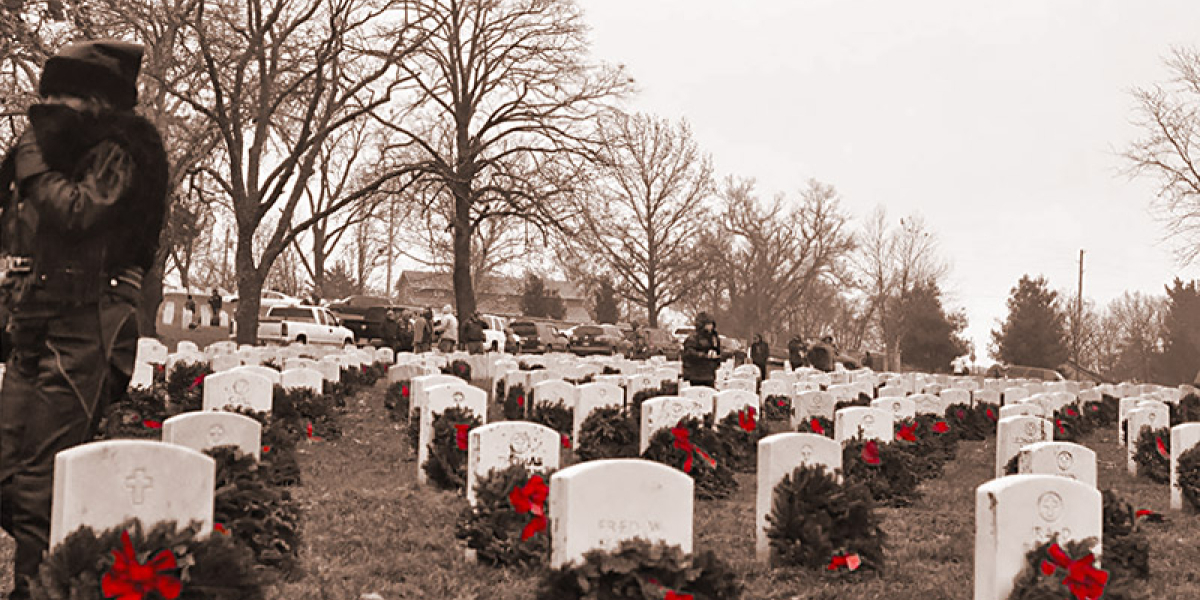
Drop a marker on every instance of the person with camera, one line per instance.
(89, 195)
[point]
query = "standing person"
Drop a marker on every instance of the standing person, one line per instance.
(868, 361)
(405, 341)
(797, 350)
(641, 345)
(702, 352)
(759, 353)
(190, 306)
(390, 331)
(214, 302)
(94, 175)
(422, 332)
(447, 330)
(473, 332)
(823, 354)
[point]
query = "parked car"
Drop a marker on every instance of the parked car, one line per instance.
(364, 315)
(538, 337)
(302, 324)
(592, 339)
(268, 299)
(661, 342)
(681, 333)
(495, 336)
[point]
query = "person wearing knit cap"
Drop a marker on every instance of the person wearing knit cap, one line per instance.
(87, 191)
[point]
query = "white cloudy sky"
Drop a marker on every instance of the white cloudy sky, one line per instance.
(998, 121)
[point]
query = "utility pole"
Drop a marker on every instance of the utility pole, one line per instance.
(1078, 310)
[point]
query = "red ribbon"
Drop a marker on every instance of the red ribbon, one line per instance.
(907, 433)
(1061, 429)
(681, 442)
(404, 391)
(850, 561)
(1095, 408)
(129, 579)
(461, 435)
(781, 402)
(197, 381)
(520, 399)
(266, 449)
(1162, 448)
(746, 419)
(160, 368)
(1071, 412)
(152, 424)
(309, 433)
(1085, 581)
(870, 453)
(220, 528)
(1146, 513)
(566, 441)
(674, 595)
(991, 414)
(815, 426)
(531, 498)
(941, 427)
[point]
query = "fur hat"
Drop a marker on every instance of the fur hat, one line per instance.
(107, 69)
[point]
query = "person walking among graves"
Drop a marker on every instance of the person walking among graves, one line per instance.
(422, 332)
(759, 354)
(702, 352)
(473, 332)
(447, 330)
(390, 331)
(94, 174)
(797, 350)
(868, 361)
(190, 306)
(214, 302)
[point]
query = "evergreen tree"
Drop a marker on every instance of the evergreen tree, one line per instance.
(932, 338)
(1181, 352)
(605, 303)
(1034, 334)
(539, 301)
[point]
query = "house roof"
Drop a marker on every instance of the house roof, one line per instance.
(500, 286)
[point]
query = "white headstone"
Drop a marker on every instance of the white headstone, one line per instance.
(1183, 438)
(730, 401)
(870, 423)
(151, 351)
(202, 430)
(842, 392)
(666, 411)
(1063, 459)
(953, 396)
(591, 397)
(186, 346)
(986, 397)
(1015, 514)
(103, 484)
(239, 390)
(499, 445)
(598, 504)
(701, 393)
(224, 362)
(1015, 394)
(330, 368)
(901, 408)
(302, 378)
(774, 387)
(891, 391)
(779, 455)
(555, 390)
(419, 385)
(438, 399)
(1014, 433)
(738, 383)
(812, 404)
(1022, 409)
(929, 404)
(1148, 415)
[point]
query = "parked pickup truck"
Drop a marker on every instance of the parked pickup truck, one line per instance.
(303, 324)
(364, 315)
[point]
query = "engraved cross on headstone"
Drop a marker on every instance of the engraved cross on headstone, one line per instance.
(137, 484)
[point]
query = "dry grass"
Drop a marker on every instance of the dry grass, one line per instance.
(368, 527)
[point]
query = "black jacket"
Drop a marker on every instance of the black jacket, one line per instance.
(759, 353)
(697, 366)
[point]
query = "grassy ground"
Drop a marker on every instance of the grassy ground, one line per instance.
(370, 528)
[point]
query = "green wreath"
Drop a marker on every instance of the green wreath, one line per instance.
(1188, 476)
(892, 481)
(823, 426)
(608, 432)
(398, 399)
(209, 567)
(777, 407)
(739, 433)
(262, 516)
(1153, 455)
(494, 529)
(1035, 584)
(557, 416)
(1126, 548)
(446, 463)
(1187, 410)
(814, 518)
(640, 570)
(713, 478)
(185, 386)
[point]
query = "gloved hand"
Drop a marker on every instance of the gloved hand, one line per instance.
(30, 162)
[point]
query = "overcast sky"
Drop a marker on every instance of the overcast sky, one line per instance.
(998, 121)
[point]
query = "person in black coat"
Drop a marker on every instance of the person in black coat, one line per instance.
(702, 352)
(797, 351)
(759, 354)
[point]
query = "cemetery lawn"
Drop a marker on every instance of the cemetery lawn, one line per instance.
(368, 528)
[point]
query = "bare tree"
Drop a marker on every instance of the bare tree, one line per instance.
(1169, 116)
(506, 100)
(642, 215)
(1137, 321)
(279, 79)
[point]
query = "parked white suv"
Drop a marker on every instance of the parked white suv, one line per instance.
(493, 333)
(303, 324)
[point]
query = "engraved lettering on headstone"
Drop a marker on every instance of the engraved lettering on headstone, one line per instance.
(137, 484)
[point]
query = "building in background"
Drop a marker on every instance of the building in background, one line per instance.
(495, 295)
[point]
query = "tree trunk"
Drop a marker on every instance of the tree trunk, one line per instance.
(250, 284)
(464, 291)
(318, 263)
(152, 287)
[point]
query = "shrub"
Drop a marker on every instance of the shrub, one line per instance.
(713, 478)
(893, 481)
(260, 515)
(493, 527)
(1153, 455)
(1188, 476)
(739, 433)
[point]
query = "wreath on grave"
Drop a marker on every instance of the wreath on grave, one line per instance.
(815, 519)
(398, 398)
(504, 528)
(278, 461)
(817, 425)
(262, 516)
(1054, 572)
(413, 430)
(1093, 414)
(1153, 454)
(557, 416)
(974, 423)
(696, 450)
(514, 402)
(446, 464)
(1070, 424)
(926, 454)
(608, 432)
(185, 386)
(138, 414)
(1188, 476)
(374, 372)
(1110, 411)
(1187, 410)
(180, 563)
(640, 570)
(1126, 549)
(777, 407)
(739, 433)
(888, 471)
(460, 369)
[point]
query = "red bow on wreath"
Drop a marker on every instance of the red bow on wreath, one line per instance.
(961, 414)
(674, 595)
(566, 441)
(129, 579)
(1085, 581)
(1162, 448)
(781, 403)
(681, 442)
(309, 432)
(1061, 429)
(152, 424)
(197, 381)
(746, 419)
(160, 368)
(521, 400)
(460, 435)
(870, 453)
(907, 433)
(1071, 412)
(941, 427)
(991, 414)
(850, 561)
(404, 391)
(531, 499)
(815, 426)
